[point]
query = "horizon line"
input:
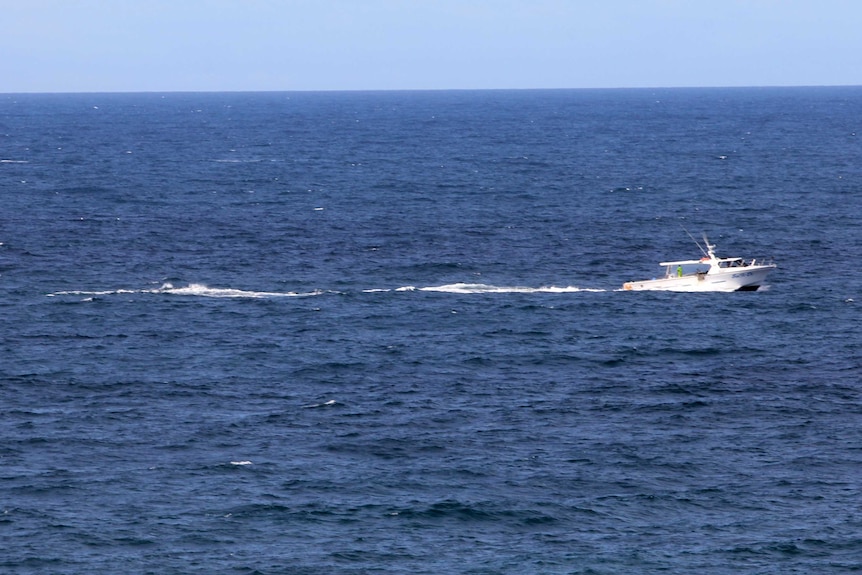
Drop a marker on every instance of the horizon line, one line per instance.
(396, 90)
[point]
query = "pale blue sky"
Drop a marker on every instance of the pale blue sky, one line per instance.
(215, 45)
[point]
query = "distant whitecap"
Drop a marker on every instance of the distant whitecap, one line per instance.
(329, 403)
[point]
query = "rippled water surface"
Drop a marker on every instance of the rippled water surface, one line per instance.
(384, 333)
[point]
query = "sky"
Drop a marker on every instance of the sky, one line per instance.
(265, 45)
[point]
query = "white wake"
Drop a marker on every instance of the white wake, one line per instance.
(202, 290)
(467, 288)
(196, 290)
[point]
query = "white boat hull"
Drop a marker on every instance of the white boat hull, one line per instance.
(747, 278)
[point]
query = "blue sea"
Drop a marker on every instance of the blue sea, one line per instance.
(384, 333)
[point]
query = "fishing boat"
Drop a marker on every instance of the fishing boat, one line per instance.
(709, 273)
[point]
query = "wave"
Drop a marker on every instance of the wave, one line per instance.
(329, 403)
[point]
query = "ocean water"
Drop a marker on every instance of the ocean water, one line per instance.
(317, 333)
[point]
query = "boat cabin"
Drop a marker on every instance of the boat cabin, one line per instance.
(702, 266)
(731, 263)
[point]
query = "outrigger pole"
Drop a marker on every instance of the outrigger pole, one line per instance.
(696, 242)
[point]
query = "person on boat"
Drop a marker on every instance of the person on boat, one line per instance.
(679, 271)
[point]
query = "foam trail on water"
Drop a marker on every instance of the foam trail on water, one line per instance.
(99, 293)
(465, 288)
(202, 290)
(195, 290)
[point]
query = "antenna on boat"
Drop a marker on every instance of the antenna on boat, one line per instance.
(703, 251)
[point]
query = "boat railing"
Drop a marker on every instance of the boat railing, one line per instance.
(761, 262)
